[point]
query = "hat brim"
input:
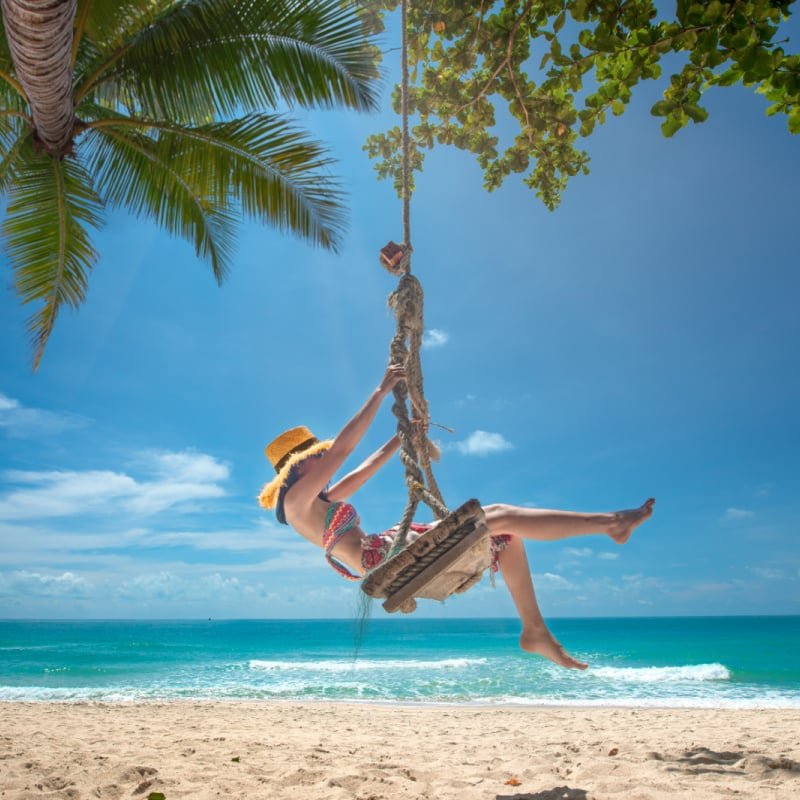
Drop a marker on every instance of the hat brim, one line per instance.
(268, 496)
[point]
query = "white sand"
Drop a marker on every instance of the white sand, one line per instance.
(331, 751)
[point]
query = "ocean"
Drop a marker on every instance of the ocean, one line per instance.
(716, 662)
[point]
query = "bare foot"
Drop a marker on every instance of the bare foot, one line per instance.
(542, 643)
(625, 521)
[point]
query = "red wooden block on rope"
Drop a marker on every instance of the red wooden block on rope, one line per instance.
(395, 257)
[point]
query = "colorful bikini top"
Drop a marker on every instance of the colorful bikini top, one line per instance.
(339, 519)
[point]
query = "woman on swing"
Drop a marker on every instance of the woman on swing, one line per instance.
(302, 497)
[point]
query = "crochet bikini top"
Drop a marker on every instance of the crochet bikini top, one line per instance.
(339, 519)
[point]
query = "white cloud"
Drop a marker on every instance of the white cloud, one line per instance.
(482, 443)
(638, 582)
(35, 584)
(435, 338)
(738, 513)
(266, 536)
(189, 466)
(608, 556)
(768, 573)
(179, 477)
(19, 421)
(578, 552)
(192, 587)
(549, 580)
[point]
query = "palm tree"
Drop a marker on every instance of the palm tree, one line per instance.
(166, 108)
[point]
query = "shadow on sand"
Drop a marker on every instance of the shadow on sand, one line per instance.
(556, 793)
(700, 760)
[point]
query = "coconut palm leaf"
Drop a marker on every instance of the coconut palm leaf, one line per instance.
(152, 80)
(5, 51)
(205, 58)
(110, 23)
(261, 162)
(133, 172)
(13, 138)
(9, 85)
(50, 210)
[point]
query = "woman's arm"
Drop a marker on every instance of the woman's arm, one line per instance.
(320, 470)
(354, 480)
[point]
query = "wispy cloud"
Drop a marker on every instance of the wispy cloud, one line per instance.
(20, 421)
(578, 552)
(550, 580)
(738, 513)
(434, 337)
(176, 478)
(23, 583)
(768, 573)
(482, 443)
(169, 586)
(608, 556)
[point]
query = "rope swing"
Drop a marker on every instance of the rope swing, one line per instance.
(452, 556)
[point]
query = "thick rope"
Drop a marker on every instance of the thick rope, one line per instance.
(407, 302)
(406, 140)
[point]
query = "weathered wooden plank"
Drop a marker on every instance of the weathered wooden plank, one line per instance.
(445, 560)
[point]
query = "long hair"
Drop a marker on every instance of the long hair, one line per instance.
(291, 480)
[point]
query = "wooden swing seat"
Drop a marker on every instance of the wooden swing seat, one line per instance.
(448, 559)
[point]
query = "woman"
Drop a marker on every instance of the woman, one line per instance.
(303, 498)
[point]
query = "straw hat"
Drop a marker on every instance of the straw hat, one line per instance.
(288, 449)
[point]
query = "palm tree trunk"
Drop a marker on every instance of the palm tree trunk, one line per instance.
(39, 34)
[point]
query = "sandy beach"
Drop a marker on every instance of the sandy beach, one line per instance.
(368, 752)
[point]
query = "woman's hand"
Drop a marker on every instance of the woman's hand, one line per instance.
(394, 374)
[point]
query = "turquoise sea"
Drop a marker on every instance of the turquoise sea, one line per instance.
(743, 662)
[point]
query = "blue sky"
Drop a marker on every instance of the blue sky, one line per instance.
(641, 340)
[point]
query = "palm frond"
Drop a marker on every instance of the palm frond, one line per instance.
(205, 58)
(103, 26)
(11, 90)
(273, 170)
(109, 23)
(13, 137)
(6, 64)
(52, 206)
(132, 172)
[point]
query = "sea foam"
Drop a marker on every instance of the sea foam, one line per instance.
(690, 672)
(341, 665)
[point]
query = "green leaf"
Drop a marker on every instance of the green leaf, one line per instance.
(713, 13)
(272, 170)
(729, 77)
(156, 796)
(617, 107)
(695, 112)
(559, 21)
(662, 108)
(672, 124)
(794, 120)
(51, 209)
(201, 59)
(133, 173)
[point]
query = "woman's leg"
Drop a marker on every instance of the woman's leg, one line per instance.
(546, 525)
(535, 637)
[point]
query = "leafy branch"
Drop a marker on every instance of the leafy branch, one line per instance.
(470, 61)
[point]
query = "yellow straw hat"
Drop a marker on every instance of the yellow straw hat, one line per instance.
(288, 449)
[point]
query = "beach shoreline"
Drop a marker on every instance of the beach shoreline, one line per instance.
(370, 751)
